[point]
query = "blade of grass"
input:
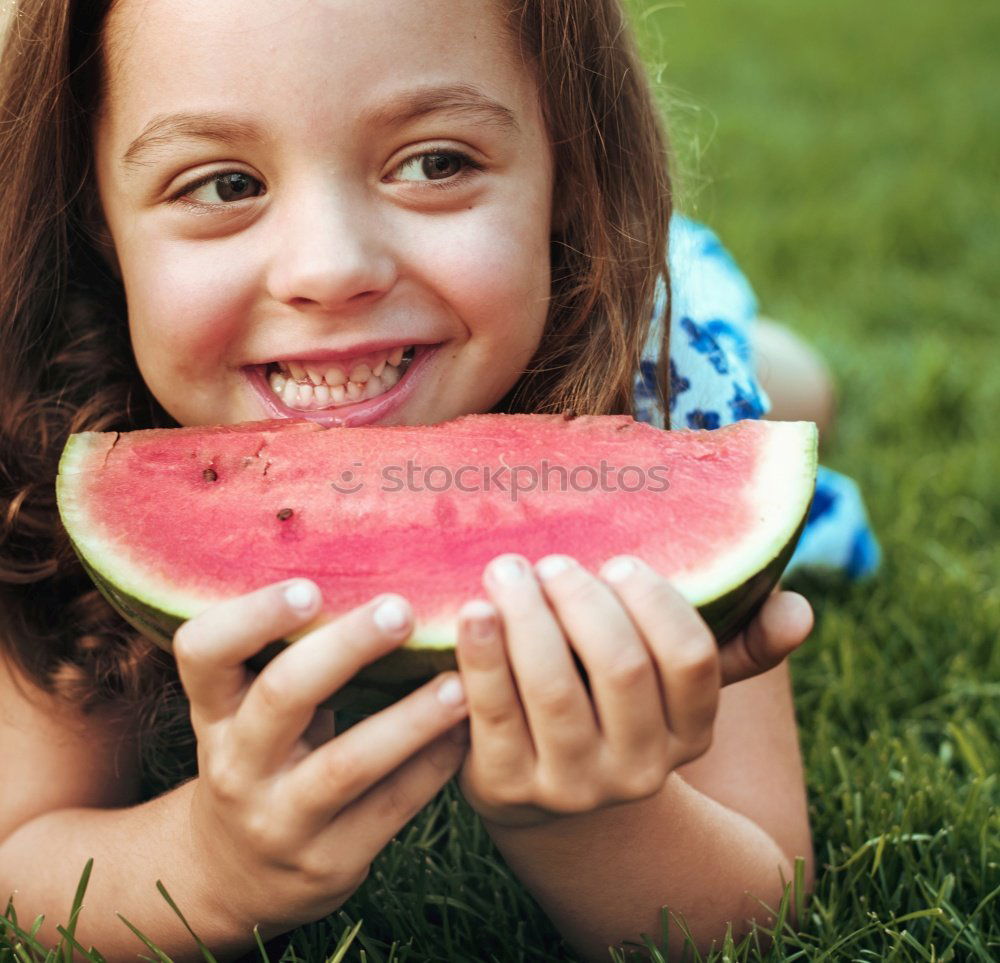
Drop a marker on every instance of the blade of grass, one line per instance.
(20, 953)
(160, 955)
(260, 944)
(205, 951)
(28, 938)
(985, 901)
(800, 890)
(67, 936)
(345, 943)
(81, 888)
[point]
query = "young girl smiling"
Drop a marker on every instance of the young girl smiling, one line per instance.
(362, 212)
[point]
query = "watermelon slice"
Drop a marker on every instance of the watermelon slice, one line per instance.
(168, 522)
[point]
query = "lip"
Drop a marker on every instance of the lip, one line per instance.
(358, 352)
(346, 416)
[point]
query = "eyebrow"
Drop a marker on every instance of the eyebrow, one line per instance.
(458, 99)
(451, 99)
(161, 131)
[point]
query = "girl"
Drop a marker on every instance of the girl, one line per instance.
(472, 200)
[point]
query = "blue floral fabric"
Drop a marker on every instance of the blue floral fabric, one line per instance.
(712, 383)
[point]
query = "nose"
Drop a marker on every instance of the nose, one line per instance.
(329, 250)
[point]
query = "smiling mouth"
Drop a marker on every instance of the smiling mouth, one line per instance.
(311, 386)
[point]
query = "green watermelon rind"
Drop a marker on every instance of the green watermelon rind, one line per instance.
(426, 655)
(430, 650)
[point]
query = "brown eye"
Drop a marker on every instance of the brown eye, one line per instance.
(231, 186)
(436, 166)
(235, 186)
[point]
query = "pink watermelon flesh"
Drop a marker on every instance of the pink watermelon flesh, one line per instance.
(170, 521)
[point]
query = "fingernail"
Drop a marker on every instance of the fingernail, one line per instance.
(618, 569)
(451, 692)
(507, 570)
(481, 618)
(301, 595)
(392, 614)
(551, 566)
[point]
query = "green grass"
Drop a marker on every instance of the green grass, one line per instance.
(848, 156)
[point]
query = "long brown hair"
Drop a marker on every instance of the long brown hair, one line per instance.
(611, 207)
(66, 363)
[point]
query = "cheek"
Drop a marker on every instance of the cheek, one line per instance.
(497, 276)
(176, 306)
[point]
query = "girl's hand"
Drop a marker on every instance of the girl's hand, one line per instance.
(779, 628)
(288, 828)
(541, 745)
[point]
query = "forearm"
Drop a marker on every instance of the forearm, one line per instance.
(41, 864)
(603, 876)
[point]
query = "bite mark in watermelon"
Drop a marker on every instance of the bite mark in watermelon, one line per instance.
(168, 522)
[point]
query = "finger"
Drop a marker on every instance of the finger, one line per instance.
(369, 823)
(782, 625)
(623, 679)
(334, 775)
(282, 699)
(212, 647)
(682, 646)
(496, 717)
(556, 705)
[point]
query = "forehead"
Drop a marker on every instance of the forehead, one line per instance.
(314, 61)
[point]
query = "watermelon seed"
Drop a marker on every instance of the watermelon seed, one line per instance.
(285, 514)
(209, 475)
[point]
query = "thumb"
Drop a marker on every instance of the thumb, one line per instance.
(779, 628)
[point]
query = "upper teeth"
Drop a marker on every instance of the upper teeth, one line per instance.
(333, 375)
(308, 387)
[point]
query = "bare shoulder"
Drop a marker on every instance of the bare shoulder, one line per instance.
(754, 765)
(55, 758)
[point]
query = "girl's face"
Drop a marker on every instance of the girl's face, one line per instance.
(301, 191)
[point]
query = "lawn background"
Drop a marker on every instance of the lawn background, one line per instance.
(847, 154)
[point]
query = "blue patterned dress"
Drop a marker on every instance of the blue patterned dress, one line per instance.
(712, 384)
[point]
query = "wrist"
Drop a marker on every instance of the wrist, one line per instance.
(233, 906)
(571, 825)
